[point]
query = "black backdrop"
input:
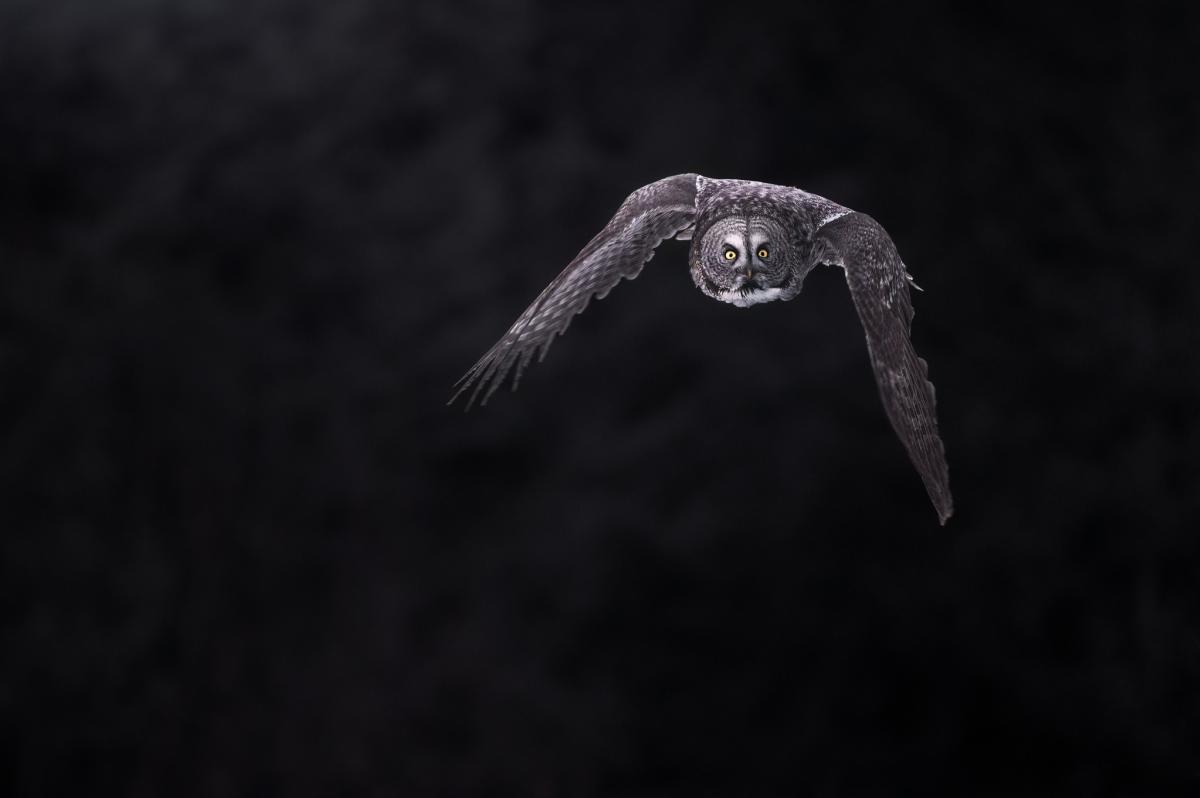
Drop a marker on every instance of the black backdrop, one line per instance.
(247, 247)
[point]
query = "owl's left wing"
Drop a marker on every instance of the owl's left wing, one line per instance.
(648, 216)
(879, 285)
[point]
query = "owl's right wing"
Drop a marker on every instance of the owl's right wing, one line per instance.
(648, 216)
(879, 285)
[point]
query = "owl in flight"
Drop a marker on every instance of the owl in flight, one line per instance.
(751, 243)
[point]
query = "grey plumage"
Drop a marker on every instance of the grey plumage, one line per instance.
(751, 243)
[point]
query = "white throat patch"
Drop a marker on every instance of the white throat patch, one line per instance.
(755, 297)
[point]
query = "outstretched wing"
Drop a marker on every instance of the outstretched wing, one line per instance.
(879, 285)
(648, 216)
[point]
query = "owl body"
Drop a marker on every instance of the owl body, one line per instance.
(768, 230)
(751, 243)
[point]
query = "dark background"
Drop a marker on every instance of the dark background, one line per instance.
(247, 247)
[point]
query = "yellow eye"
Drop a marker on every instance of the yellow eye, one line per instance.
(762, 253)
(730, 254)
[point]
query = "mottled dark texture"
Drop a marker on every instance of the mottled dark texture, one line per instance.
(247, 549)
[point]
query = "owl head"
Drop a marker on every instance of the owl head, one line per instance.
(747, 259)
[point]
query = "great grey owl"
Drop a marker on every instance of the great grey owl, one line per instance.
(751, 243)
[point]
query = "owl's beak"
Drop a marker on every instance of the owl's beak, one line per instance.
(747, 282)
